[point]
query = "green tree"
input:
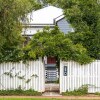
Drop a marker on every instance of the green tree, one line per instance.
(35, 4)
(84, 16)
(55, 43)
(50, 2)
(11, 12)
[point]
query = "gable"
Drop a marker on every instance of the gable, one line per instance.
(64, 26)
(45, 15)
(48, 16)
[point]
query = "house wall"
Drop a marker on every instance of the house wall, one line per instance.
(64, 26)
(20, 73)
(78, 75)
(30, 31)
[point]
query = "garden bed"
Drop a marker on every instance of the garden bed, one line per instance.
(19, 93)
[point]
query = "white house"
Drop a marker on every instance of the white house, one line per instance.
(33, 74)
(48, 16)
(37, 20)
(71, 75)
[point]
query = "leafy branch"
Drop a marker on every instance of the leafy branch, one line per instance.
(9, 74)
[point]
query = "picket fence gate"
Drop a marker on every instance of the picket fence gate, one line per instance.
(31, 75)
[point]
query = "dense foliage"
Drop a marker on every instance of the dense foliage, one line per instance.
(35, 4)
(19, 92)
(82, 45)
(84, 16)
(55, 43)
(11, 12)
(97, 93)
(83, 90)
(11, 41)
(49, 2)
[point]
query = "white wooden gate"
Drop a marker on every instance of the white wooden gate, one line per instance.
(51, 74)
(29, 75)
(74, 75)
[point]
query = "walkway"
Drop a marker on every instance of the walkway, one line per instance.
(51, 89)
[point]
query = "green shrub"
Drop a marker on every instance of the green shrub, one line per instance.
(97, 93)
(57, 81)
(81, 91)
(20, 92)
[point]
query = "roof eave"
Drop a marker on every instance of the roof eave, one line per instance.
(38, 25)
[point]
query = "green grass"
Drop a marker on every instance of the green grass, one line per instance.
(19, 92)
(27, 99)
(83, 90)
(39, 99)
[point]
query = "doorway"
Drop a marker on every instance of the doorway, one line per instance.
(51, 75)
(51, 70)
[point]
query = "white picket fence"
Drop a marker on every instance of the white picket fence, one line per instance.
(29, 75)
(78, 75)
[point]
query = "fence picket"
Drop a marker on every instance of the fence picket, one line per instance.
(22, 70)
(79, 75)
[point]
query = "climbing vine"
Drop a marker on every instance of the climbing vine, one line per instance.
(55, 43)
(9, 74)
(22, 77)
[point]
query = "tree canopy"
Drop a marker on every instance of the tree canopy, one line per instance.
(82, 45)
(11, 12)
(84, 16)
(55, 43)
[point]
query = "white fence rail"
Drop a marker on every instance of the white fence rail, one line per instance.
(78, 75)
(29, 75)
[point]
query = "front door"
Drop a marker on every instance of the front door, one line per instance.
(51, 70)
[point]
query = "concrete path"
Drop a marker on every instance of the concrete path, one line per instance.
(51, 89)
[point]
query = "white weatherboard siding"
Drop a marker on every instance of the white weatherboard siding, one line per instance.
(30, 31)
(78, 75)
(17, 70)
